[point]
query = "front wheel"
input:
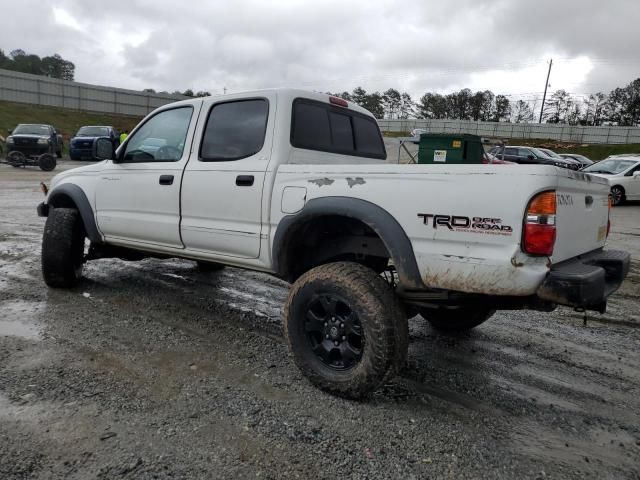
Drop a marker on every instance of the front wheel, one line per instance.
(63, 248)
(346, 329)
(617, 195)
(453, 320)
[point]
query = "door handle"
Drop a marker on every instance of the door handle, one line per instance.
(166, 179)
(244, 180)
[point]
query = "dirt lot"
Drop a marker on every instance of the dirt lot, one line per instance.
(154, 370)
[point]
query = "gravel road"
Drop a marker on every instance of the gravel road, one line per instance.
(154, 370)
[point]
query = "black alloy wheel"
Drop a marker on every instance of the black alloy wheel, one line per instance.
(334, 331)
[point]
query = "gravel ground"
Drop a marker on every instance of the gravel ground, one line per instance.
(154, 370)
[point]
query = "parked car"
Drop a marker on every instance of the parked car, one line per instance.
(295, 184)
(576, 165)
(488, 158)
(623, 173)
(81, 145)
(34, 139)
(584, 161)
(530, 155)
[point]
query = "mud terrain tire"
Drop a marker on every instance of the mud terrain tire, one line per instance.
(353, 298)
(62, 248)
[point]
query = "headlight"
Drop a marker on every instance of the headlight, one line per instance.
(9, 140)
(43, 141)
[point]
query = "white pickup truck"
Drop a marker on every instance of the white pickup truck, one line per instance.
(295, 184)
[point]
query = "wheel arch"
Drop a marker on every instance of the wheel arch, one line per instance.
(379, 221)
(69, 195)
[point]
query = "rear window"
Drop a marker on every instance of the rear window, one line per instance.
(323, 127)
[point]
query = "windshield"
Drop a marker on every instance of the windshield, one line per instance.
(93, 132)
(611, 167)
(538, 152)
(31, 130)
(550, 153)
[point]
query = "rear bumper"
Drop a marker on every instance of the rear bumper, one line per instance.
(586, 281)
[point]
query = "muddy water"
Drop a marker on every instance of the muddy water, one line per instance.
(154, 370)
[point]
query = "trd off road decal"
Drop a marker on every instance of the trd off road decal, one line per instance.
(459, 223)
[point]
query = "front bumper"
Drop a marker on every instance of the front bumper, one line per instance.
(29, 150)
(587, 280)
(80, 153)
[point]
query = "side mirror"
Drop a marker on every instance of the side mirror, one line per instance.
(636, 173)
(9, 131)
(103, 149)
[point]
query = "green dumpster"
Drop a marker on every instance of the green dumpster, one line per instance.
(442, 148)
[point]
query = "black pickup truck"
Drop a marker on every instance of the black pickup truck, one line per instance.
(34, 140)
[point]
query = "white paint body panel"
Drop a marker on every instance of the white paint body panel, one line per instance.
(216, 220)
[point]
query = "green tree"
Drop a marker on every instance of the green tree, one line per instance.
(522, 112)
(392, 101)
(557, 108)
(623, 105)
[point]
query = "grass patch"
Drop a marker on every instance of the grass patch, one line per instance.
(64, 120)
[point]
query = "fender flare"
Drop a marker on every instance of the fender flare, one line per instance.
(84, 207)
(379, 220)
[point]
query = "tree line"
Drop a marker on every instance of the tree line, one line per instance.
(187, 93)
(620, 107)
(53, 66)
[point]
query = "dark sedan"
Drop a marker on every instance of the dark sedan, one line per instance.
(81, 146)
(584, 161)
(531, 156)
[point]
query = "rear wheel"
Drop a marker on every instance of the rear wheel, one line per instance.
(63, 248)
(617, 195)
(346, 329)
(47, 162)
(456, 319)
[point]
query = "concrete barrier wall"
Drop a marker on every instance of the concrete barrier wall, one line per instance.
(564, 133)
(39, 90)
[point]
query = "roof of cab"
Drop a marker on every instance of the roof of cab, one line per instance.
(283, 93)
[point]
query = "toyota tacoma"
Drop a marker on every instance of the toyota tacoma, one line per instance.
(295, 184)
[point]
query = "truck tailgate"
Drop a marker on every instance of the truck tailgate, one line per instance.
(582, 215)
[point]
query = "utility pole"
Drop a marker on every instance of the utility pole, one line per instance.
(544, 96)
(224, 89)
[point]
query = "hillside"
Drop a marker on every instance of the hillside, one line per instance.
(66, 121)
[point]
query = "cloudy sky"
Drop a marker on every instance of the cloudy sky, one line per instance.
(335, 45)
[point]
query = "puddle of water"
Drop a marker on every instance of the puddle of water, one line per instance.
(17, 328)
(18, 319)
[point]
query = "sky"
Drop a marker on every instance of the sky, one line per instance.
(336, 45)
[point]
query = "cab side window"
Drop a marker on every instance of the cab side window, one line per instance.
(234, 130)
(161, 139)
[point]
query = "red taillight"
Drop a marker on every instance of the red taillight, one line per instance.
(341, 102)
(539, 239)
(539, 233)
